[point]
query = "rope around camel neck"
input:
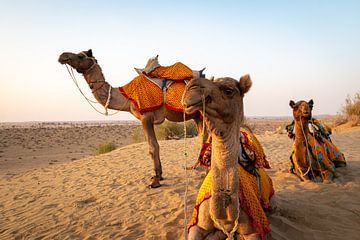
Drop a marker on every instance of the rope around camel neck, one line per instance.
(91, 102)
(309, 158)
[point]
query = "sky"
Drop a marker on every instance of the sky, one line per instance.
(297, 50)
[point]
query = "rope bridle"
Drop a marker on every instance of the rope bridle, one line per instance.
(91, 85)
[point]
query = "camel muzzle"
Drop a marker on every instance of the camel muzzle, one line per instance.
(64, 58)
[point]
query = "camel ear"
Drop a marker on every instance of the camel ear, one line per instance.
(311, 103)
(211, 78)
(245, 84)
(292, 103)
(89, 53)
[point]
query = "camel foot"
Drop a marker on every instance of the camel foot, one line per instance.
(161, 178)
(155, 182)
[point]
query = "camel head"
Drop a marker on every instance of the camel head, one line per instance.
(82, 61)
(223, 98)
(302, 109)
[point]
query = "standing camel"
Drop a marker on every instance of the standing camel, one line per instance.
(229, 201)
(314, 156)
(110, 97)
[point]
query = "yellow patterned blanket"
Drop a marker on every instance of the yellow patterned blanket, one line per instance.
(148, 96)
(252, 199)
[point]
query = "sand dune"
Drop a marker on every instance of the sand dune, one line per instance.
(107, 197)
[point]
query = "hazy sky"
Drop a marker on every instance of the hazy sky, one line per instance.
(292, 50)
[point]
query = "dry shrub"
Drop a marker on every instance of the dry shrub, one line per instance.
(339, 120)
(281, 129)
(104, 147)
(351, 109)
(167, 130)
(137, 135)
(172, 130)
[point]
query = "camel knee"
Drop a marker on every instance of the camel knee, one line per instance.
(244, 226)
(196, 233)
(154, 149)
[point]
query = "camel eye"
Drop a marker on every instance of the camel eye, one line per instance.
(228, 91)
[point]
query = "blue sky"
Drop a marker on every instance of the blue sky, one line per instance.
(292, 50)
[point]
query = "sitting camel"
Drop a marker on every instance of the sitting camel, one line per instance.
(313, 155)
(231, 199)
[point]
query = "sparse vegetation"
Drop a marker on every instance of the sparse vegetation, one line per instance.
(104, 147)
(171, 130)
(137, 135)
(351, 110)
(167, 130)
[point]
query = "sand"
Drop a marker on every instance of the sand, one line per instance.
(82, 196)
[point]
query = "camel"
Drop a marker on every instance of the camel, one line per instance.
(221, 216)
(314, 156)
(85, 63)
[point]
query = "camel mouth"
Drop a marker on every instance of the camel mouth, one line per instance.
(306, 114)
(197, 106)
(190, 109)
(64, 58)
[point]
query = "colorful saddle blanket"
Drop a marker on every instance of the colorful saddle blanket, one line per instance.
(251, 155)
(324, 153)
(162, 86)
(255, 186)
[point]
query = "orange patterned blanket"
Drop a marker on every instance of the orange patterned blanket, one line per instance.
(148, 96)
(254, 196)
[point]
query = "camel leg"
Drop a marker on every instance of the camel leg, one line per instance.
(197, 233)
(154, 149)
(246, 230)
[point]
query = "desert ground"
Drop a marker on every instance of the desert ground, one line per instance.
(52, 186)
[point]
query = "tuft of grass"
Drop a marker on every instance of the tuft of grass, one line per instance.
(167, 130)
(104, 148)
(137, 135)
(351, 109)
(172, 130)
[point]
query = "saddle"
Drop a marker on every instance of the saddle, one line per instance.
(163, 77)
(157, 85)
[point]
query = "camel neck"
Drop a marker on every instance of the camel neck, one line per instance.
(96, 80)
(94, 75)
(226, 147)
(301, 128)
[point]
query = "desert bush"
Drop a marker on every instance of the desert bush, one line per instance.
(165, 131)
(281, 129)
(339, 120)
(137, 135)
(172, 130)
(351, 109)
(104, 147)
(191, 129)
